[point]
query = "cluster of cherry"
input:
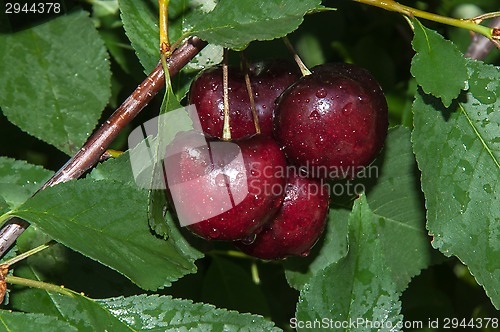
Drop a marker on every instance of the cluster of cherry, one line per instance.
(265, 187)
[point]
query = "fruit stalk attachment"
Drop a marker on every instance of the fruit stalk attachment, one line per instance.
(163, 22)
(226, 130)
(303, 68)
(244, 65)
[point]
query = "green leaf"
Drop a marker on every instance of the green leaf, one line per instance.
(438, 66)
(236, 25)
(19, 180)
(398, 209)
(140, 20)
(76, 309)
(142, 312)
(106, 220)
(119, 169)
(163, 313)
(60, 265)
(226, 284)
(359, 287)
(391, 184)
(157, 199)
(59, 80)
(19, 321)
(331, 248)
(458, 152)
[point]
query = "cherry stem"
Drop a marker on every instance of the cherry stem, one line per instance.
(482, 17)
(471, 24)
(248, 84)
(226, 131)
(255, 273)
(163, 22)
(97, 144)
(29, 253)
(303, 68)
(231, 253)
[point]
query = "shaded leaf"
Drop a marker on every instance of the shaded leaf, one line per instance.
(438, 66)
(398, 209)
(76, 309)
(163, 313)
(234, 26)
(152, 313)
(458, 152)
(19, 180)
(331, 248)
(4, 207)
(60, 265)
(225, 285)
(357, 288)
(20, 321)
(39, 301)
(57, 88)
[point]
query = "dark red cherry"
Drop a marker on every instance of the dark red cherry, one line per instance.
(298, 224)
(333, 122)
(224, 190)
(268, 81)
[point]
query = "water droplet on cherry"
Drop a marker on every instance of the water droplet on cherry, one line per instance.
(214, 233)
(321, 93)
(305, 253)
(314, 115)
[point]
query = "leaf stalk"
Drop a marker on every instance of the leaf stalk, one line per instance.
(38, 284)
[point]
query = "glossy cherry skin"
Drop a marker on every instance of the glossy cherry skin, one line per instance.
(298, 224)
(224, 190)
(268, 81)
(333, 122)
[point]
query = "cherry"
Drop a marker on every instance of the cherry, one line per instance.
(268, 81)
(298, 224)
(224, 190)
(333, 122)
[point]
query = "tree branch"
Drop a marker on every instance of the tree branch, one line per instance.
(481, 46)
(97, 144)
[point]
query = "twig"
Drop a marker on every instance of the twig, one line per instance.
(97, 144)
(481, 46)
(469, 24)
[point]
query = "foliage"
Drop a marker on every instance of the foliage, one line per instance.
(428, 216)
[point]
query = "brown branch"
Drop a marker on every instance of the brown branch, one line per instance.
(481, 46)
(97, 144)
